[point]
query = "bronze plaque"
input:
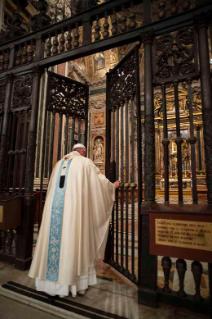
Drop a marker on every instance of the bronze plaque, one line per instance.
(182, 233)
(1, 214)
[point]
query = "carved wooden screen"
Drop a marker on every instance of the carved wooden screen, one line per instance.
(123, 162)
(65, 122)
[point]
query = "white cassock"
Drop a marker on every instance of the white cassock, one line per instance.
(74, 227)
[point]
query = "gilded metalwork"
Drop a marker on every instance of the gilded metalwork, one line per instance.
(183, 233)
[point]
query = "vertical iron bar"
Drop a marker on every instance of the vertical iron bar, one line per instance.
(133, 186)
(117, 190)
(206, 93)
(72, 132)
(31, 147)
(79, 130)
(48, 124)
(66, 134)
(113, 135)
(86, 117)
(117, 142)
(122, 183)
(192, 140)
(178, 141)
(23, 153)
(16, 153)
(139, 158)
(42, 168)
(112, 161)
(165, 144)
(5, 120)
(127, 185)
(11, 153)
(199, 146)
(132, 140)
(149, 159)
(60, 137)
(52, 143)
(110, 250)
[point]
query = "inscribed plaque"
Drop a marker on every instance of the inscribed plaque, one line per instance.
(183, 233)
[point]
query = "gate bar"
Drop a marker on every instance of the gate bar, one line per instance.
(165, 144)
(59, 136)
(52, 143)
(192, 140)
(17, 152)
(23, 154)
(178, 141)
(122, 184)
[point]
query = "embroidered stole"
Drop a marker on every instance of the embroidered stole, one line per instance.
(56, 227)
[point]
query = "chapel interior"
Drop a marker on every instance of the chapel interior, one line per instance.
(57, 133)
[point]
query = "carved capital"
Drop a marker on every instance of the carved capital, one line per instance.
(147, 37)
(201, 21)
(9, 77)
(37, 71)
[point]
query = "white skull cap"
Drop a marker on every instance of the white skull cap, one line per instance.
(79, 145)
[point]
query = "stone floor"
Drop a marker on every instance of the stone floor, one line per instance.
(119, 298)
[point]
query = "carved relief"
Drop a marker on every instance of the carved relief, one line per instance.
(97, 103)
(175, 55)
(22, 93)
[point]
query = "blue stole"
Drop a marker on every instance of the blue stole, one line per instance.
(56, 227)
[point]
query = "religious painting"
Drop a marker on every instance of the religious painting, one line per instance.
(81, 63)
(99, 61)
(97, 150)
(98, 119)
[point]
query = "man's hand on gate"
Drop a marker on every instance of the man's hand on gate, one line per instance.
(117, 184)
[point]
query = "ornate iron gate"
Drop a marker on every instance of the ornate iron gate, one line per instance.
(123, 161)
(67, 109)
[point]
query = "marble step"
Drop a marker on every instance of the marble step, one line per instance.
(61, 307)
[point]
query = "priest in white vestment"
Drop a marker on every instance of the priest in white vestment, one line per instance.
(74, 227)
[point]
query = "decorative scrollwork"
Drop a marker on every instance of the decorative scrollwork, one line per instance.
(174, 54)
(2, 95)
(67, 96)
(123, 80)
(22, 93)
